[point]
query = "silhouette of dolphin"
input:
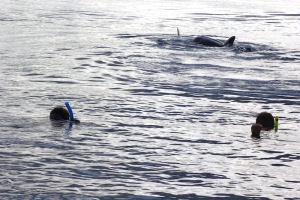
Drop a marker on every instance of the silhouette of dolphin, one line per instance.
(207, 41)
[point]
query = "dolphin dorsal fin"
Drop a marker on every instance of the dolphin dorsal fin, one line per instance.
(230, 41)
(178, 33)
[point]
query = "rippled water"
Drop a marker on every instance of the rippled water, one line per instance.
(162, 118)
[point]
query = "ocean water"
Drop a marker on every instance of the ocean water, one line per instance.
(161, 117)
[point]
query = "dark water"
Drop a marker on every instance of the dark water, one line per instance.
(162, 118)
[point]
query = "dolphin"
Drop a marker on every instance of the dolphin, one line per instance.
(207, 41)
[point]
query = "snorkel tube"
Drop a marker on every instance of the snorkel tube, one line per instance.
(72, 119)
(276, 124)
(70, 111)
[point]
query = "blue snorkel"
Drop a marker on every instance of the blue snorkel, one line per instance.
(70, 111)
(72, 119)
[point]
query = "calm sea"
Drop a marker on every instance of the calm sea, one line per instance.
(161, 117)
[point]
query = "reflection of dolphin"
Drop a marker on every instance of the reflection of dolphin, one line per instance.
(207, 41)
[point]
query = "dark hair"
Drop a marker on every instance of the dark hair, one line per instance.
(265, 119)
(59, 113)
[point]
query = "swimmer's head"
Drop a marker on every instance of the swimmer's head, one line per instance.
(266, 120)
(59, 113)
(255, 129)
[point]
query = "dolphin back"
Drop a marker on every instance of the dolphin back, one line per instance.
(229, 42)
(207, 41)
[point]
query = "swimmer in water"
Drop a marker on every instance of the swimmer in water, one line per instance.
(264, 121)
(60, 113)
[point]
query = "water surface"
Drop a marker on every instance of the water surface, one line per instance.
(162, 118)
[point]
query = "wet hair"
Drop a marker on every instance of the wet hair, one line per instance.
(59, 113)
(265, 119)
